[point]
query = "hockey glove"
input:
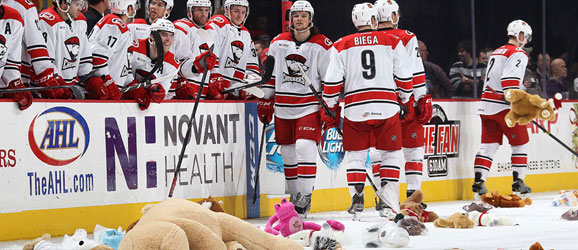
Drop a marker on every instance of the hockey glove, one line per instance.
(425, 108)
(141, 96)
(211, 60)
(47, 79)
(66, 93)
(328, 120)
(265, 110)
(217, 84)
(407, 110)
(24, 99)
(95, 88)
(156, 92)
(112, 91)
(186, 90)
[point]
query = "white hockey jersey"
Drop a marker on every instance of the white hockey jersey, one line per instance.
(67, 44)
(34, 52)
(139, 28)
(11, 32)
(409, 41)
(506, 68)
(371, 67)
(187, 46)
(293, 97)
(109, 41)
(234, 48)
(142, 65)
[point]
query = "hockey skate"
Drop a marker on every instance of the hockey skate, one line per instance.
(519, 187)
(303, 204)
(479, 186)
(356, 207)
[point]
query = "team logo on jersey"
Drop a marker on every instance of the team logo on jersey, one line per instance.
(72, 45)
(237, 50)
(204, 47)
(442, 141)
(3, 48)
(58, 136)
(330, 148)
(218, 19)
(48, 16)
(119, 22)
(294, 75)
(273, 150)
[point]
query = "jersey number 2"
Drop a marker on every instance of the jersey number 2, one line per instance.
(368, 63)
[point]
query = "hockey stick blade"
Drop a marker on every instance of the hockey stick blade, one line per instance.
(269, 67)
(76, 90)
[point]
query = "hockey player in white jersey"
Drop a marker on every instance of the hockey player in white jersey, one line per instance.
(110, 40)
(64, 28)
(372, 69)
(234, 48)
(188, 45)
(154, 9)
(10, 52)
(37, 67)
(505, 71)
(297, 123)
(418, 110)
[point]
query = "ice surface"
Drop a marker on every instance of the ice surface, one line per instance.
(538, 222)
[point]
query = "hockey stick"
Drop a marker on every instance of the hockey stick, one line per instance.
(541, 128)
(203, 62)
(319, 99)
(269, 66)
(259, 160)
(76, 90)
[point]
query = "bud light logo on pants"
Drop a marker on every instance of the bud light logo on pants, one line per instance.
(331, 148)
(273, 151)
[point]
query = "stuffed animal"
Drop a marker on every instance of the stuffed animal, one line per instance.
(457, 220)
(386, 235)
(536, 246)
(289, 221)
(525, 107)
(78, 241)
(327, 238)
(497, 200)
(566, 199)
(412, 206)
(480, 207)
(484, 219)
(181, 224)
(412, 225)
(210, 203)
(571, 214)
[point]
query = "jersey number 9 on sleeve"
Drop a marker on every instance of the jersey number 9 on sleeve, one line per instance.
(368, 63)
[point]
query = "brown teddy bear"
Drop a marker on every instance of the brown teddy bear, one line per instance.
(44, 242)
(525, 107)
(457, 220)
(181, 224)
(412, 206)
(498, 200)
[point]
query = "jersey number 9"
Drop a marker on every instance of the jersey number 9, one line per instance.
(368, 63)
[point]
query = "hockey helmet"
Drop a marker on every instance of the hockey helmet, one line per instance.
(121, 7)
(198, 3)
(162, 24)
(301, 5)
(168, 7)
(229, 3)
(518, 26)
(386, 8)
(363, 13)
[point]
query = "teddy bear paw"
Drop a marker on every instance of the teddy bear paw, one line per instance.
(508, 95)
(509, 122)
(545, 113)
(544, 104)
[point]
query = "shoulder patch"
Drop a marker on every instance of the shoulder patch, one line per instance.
(46, 15)
(26, 3)
(219, 19)
(119, 22)
(328, 42)
(409, 32)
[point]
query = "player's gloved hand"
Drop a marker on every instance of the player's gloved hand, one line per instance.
(156, 92)
(265, 110)
(218, 84)
(186, 90)
(328, 120)
(95, 88)
(211, 60)
(112, 91)
(66, 93)
(24, 99)
(425, 109)
(46, 78)
(407, 110)
(141, 95)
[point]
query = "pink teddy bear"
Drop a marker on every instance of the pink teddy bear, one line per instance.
(290, 222)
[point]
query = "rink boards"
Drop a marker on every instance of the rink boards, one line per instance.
(69, 165)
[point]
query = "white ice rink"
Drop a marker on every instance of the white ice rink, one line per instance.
(538, 222)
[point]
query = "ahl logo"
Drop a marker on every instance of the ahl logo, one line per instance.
(52, 136)
(442, 141)
(273, 150)
(330, 149)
